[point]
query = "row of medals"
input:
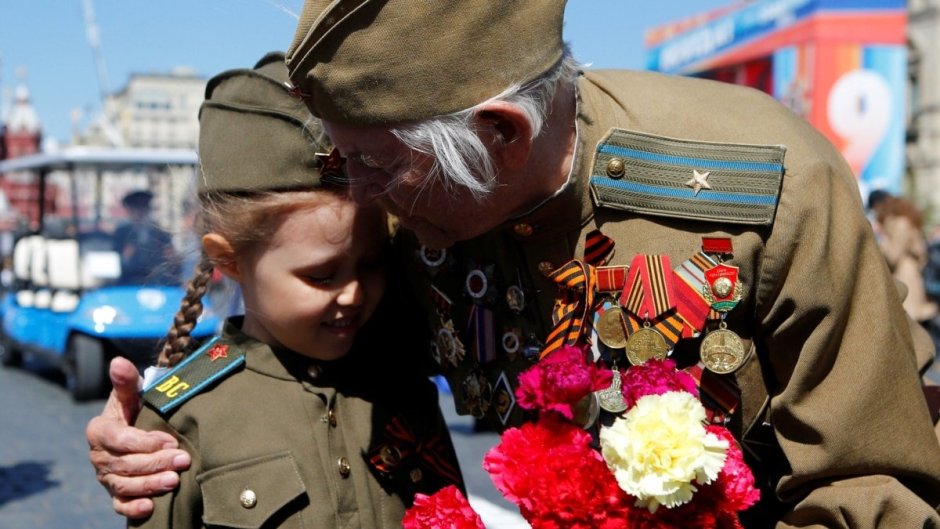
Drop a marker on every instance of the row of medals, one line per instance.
(721, 350)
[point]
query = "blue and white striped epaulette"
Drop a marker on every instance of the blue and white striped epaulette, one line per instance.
(213, 361)
(718, 182)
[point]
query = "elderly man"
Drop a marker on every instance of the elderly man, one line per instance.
(724, 230)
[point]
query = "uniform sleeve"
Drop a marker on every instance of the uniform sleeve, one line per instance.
(183, 506)
(835, 344)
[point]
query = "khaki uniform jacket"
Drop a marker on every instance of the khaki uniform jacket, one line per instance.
(831, 415)
(338, 444)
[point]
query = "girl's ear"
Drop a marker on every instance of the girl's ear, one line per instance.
(222, 254)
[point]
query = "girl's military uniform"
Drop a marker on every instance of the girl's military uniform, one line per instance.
(281, 440)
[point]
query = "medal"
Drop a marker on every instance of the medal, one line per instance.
(722, 351)
(515, 298)
(610, 328)
(722, 290)
(432, 257)
(503, 398)
(476, 284)
(646, 343)
(477, 393)
(611, 399)
(448, 345)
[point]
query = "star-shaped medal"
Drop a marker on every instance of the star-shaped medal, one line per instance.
(217, 351)
(698, 182)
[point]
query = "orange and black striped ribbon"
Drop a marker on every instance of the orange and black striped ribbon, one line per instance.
(718, 393)
(650, 291)
(578, 283)
(669, 325)
(432, 452)
(597, 248)
(650, 297)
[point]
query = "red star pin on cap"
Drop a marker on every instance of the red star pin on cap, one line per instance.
(333, 167)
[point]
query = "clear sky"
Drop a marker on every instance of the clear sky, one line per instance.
(47, 40)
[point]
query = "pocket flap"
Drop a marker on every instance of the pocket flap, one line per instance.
(247, 493)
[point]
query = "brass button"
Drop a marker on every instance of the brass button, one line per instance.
(248, 498)
(546, 268)
(314, 372)
(331, 417)
(523, 230)
(416, 475)
(390, 455)
(615, 168)
(342, 464)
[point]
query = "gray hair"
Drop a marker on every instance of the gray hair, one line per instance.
(461, 159)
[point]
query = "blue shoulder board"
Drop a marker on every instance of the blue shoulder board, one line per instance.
(211, 362)
(719, 182)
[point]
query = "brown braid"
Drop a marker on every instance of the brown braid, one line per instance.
(178, 340)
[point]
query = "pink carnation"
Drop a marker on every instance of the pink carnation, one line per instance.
(445, 509)
(550, 471)
(559, 381)
(655, 377)
(735, 480)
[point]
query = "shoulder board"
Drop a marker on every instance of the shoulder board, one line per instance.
(211, 362)
(669, 177)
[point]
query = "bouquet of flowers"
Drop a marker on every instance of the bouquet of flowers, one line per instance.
(660, 464)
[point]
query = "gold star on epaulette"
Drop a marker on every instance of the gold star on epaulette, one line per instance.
(332, 168)
(698, 182)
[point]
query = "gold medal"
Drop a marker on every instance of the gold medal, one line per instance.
(611, 399)
(610, 328)
(722, 351)
(644, 344)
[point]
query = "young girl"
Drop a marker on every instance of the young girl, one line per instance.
(304, 412)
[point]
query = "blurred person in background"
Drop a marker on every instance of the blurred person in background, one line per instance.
(146, 250)
(902, 242)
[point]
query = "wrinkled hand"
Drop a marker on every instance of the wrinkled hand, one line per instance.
(130, 463)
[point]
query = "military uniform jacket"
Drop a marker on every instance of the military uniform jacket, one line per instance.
(281, 440)
(831, 413)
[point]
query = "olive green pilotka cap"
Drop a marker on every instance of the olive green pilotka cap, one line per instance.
(255, 136)
(363, 62)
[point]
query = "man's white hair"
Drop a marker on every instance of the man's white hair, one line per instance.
(461, 159)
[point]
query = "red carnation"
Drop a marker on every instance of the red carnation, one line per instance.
(550, 471)
(559, 381)
(445, 509)
(655, 377)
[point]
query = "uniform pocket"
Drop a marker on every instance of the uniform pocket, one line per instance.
(249, 493)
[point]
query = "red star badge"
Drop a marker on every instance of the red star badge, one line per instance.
(332, 166)
(217, 351)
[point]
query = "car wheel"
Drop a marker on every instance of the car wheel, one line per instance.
(10, 356)
(85, 367)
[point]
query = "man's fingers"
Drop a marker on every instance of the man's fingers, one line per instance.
(130, 487)
(133, 508)
(113, 436)
(163, 462)
(125, 381)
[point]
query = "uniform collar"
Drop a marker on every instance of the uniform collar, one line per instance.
(284, 364)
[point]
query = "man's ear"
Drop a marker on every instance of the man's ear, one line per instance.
(508, 131)
(222, 254)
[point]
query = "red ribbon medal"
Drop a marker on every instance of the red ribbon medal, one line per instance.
(722, 289)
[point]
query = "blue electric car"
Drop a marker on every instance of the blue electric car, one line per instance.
(65, 300)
